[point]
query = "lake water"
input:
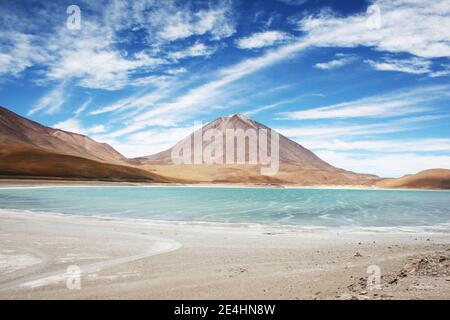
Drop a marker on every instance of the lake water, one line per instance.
(302, 207)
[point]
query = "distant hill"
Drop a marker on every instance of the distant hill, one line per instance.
(428, 179)
(29, 149)
(17, 129)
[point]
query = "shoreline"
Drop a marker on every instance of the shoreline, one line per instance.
(30, 183)
(208, 262)
(443, 228)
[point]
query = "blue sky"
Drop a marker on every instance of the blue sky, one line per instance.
(364, 84)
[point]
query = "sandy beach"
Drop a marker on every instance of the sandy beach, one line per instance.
(134, 259)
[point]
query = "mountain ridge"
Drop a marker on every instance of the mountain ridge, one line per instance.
(29, 149)
(20, 129)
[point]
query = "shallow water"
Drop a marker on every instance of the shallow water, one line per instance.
(303, 207)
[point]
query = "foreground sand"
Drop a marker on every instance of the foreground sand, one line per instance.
(148, 260)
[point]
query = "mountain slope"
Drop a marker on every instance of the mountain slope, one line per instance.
(428, 179)
(15, 129)
(28, 149)
(29, 162)
(298, 165)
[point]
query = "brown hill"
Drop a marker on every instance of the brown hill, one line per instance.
(298, 165)
(428, 179)
(29, 162)
(28, 149)
(17, 129)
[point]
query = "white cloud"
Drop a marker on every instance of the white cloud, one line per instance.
(413, 65)
(93, 56)
(385, 164)
(392, 146)
(333, 131)
(267, 107)
(196, 50)
(199, 99)
(74, 125)
(151, 80)
(89, 56)
(421, 28)
(174, 23)
(52, 101)
(387, 105)
(146, 100)
(96, 65)
(342, 60)
(353, 146)
(18, 52)
(445, 71)
(175, 71)
(96, 129)
(83, 107)
(263, 39)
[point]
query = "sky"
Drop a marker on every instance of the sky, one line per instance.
(363, 84)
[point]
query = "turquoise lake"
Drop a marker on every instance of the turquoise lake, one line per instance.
(303, 207)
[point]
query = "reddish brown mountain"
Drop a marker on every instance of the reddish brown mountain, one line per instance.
(17, 129)
(29, 149)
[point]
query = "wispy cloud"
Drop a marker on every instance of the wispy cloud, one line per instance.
(342, 60)
(162, 87)
(18, 52)
(75, 125)
(196, 50)
(376, 145)
(174, 23)
(52, 101)
(420, 28)
(83, 107)
(340, 130)
(370, 148)
(94, 57)
(267, 107)
(443, 72)
(263, 39)
(193, 102)
(386, 105)
(384, 164)
(413, 65)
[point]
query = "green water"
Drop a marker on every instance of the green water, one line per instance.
(304, 207)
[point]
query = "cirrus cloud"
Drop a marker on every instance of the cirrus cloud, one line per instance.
(263, 39)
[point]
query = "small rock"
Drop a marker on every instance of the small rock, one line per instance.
(357, 254)
(394, 281)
